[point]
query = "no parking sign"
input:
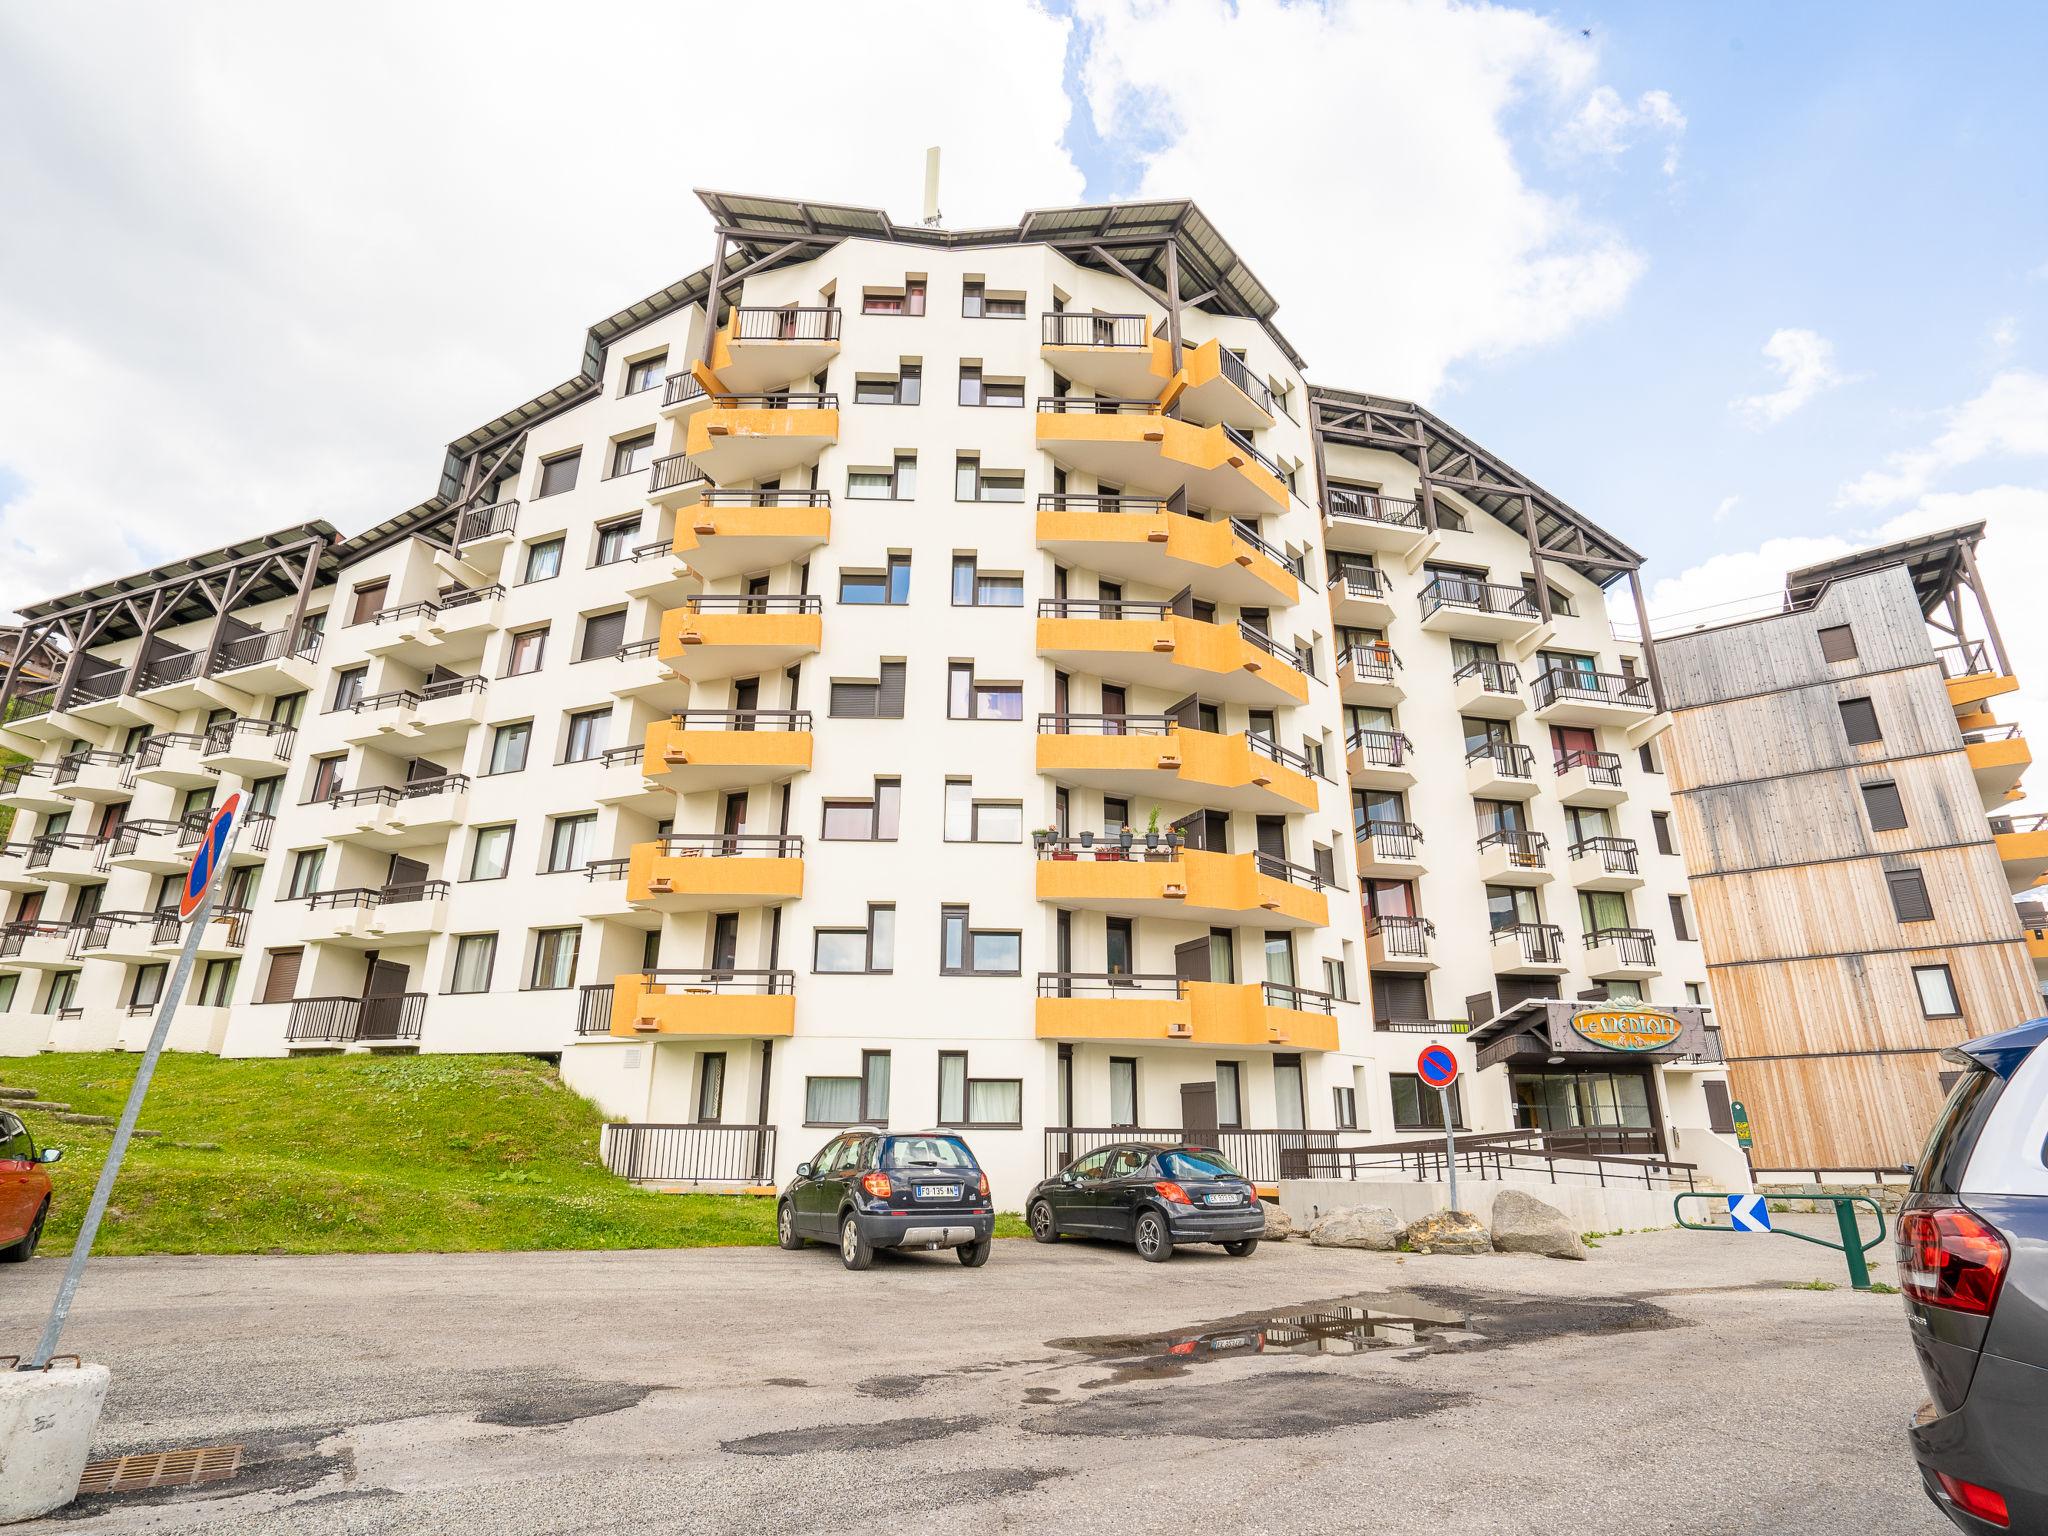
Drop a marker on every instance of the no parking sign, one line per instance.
(1438, 1067)
(212, 852)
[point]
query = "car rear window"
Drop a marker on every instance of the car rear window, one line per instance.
(1954, 1137)
(929, 1152)
(1197, 1165)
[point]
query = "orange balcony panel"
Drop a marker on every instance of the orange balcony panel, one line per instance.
(673, 1009)
(1220, 1015)
(1975, 687)
(2024, 855)
(2037, 947)
(718, 541)
(769, 360)
(1200, 767)
(1197, 886)
(706, 646)
(698, 882)
(1161, 454)
(1998, 766)
(689, 760)
(1118, 365)
(1215, 390)
(1174, 653)
(1168, 549)
(732, 443)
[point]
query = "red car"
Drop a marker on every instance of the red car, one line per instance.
(24, 1190)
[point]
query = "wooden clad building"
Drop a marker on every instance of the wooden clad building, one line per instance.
(1834, 771)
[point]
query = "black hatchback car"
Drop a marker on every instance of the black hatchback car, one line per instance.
(1151, 1196)
(869, 1189)
(1973, 1263)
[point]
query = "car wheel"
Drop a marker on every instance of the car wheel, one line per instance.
(855, 1251)
(21, 1252)
(1045, 1227)
(974, 1255)
(785, 1226)
(1243, 1248)
(1155, 1242)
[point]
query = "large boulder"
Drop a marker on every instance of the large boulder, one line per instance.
(1448, 1232)
(1279, 1225)
(1524, 1224)
(1375, 1227)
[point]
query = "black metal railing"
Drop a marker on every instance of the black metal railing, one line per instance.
(15, 936)
(1502, 677)
(1560, 684)
(1540, 943)
(594, 1009)
(1285, 994)
(413, 698)
(1370, 663)
(689, 1154)
(1635, 948)
(30, 705)
(762, 602)
(99, 687)
(12, 778)
(220, 737)
(665, 474)
(1475, 596)
(1069, 724)
(483, 522)
(1243, 443)
(1070, 501)
(1258, 639)
(171, 667)
(1601, 767)
(740, 720)
(1971, 658)
(726, 981)
(1392, 842)
(151, 753)
(1357, 506)
(681, 387)
(731, 845)
(70, 766)
(1266, 747)
(1095, 405)
(1380, 749)
(1617, 855)
(1523, 1156)
(818, 322)
(779, 400)
(1293, 565)
(359, 1020)
(43, 848)
(1402, 937)
(1111, 609)
(607, 869)
(1359, 581)
(1086, 330)
(396, 894)
(1524, 849)
(1235, 371)
(266, 645)
(1510, 759)
(1264, 1157)
(398, 794)
(442, 602)
(791, 498)
(1111, 984)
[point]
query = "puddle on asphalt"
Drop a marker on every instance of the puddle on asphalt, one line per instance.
(1350, 1325)
(1396, 1324)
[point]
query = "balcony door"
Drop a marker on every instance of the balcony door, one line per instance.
(725, 943)
(746, 698)
(1208, 830)
(1191, 960)
(405, 880)
(732, 821)
(383, 1005)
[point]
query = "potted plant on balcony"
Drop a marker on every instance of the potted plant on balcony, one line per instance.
(1125, 837)
(1152, 831)
(1040, 836)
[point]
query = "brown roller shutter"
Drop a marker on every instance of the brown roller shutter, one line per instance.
(282, 979)
(1720, 1116)
(1887, 811)
(603, 634)
(1519, 989)
(1859, 721)
(1909, 896)
(1838, 643)
(1397, 998)
(889, 699)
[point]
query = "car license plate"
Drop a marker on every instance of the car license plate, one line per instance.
(938, 1191)
(1222, 1199)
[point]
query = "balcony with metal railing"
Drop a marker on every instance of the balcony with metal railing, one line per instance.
(1574, 696)
(1587, 779)
(37, 946)
(1513, 856)
(720, 1156)
(706, 871)
(69, 858)
(1488, 690)
(742, 437)
(1140, 1009)
(248, 747)
(765, 348)
(415, 814)
(1528, 949)
(1379, 759)
(1468, 608)
(676, 480)
(1113, 355)
(1500, 770)
(1621, 954)
(1362, 520)
(493, 524)
(1188, 884)
(1361, 597)
(1388, 849)
(1999, 757)
(1395, 942)
(433, 717)
(683, 394)
(728, 532)
(722, 1003)
(447, 629)
(176, 758)
(372, 917)
(1215, 386)
(1167, 645)
(2022, 843)
(393, 1019)
(1169, 757)
(711, 637)
(1370, 675)
(699, 749)
(1604, 864)
(31, 787)
(1132, 443)
(269, 661)
(1151, 540)
(152, 844)
(95, 776)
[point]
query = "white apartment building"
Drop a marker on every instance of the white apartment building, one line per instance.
(978, 681)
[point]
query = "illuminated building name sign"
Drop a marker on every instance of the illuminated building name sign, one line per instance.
(1627, 1029)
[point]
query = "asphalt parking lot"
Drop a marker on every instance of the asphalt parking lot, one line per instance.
(1672, 1384)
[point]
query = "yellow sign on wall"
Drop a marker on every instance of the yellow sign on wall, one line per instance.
(1627, 1029)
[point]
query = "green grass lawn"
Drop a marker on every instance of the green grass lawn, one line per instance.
(354, 1154)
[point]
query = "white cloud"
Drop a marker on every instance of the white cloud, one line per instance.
(2005, 332)
(1605, 125)
(1358, 156)
(1805, 364)
(2010, 418)
(1728, 504)
(260, 263)
(2013, 558)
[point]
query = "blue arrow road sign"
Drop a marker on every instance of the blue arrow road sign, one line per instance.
(1749, 1213)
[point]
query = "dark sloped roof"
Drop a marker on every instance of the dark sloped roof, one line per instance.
(1933, 560)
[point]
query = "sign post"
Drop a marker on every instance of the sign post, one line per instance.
(195, 906)
(1439, 1068)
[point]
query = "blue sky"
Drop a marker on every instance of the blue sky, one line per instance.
(1872, 173)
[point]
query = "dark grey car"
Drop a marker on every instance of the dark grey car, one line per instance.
(1973, 1263)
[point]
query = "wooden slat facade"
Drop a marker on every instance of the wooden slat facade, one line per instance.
(1810, 970)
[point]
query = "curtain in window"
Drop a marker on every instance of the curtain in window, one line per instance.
(877, 1068)
(710, 1086)
(952, 1088)
(831, 1100)
(472, 963)
(1286, 1095)
(1123, 1093)
(995, 1102)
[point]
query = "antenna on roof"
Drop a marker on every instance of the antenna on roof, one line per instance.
(931, 187)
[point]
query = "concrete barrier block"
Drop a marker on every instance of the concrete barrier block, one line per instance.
(47, 1421)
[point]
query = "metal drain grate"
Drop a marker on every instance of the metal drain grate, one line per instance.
(162, 1469)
